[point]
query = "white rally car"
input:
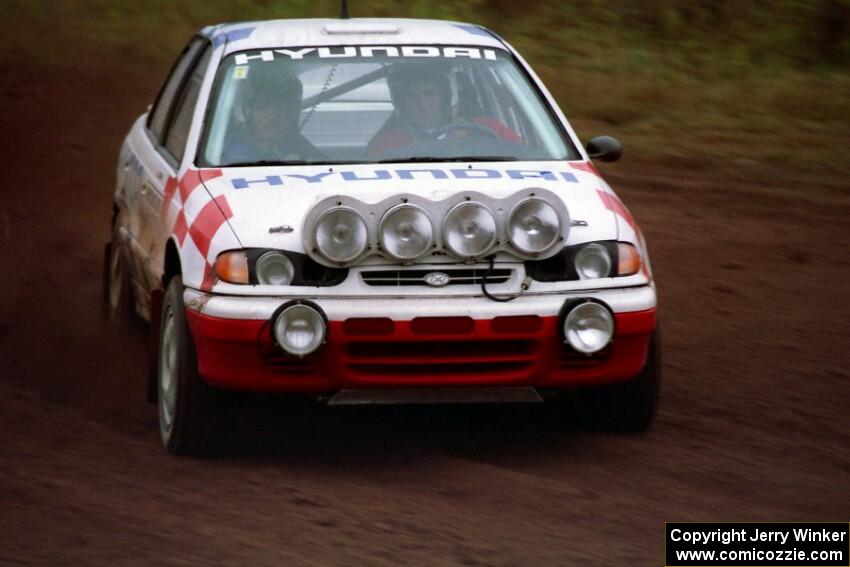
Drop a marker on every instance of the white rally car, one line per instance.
(375, 211)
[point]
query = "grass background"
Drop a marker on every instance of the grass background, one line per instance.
(758, 87)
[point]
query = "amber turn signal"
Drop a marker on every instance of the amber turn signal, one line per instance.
(629, 259)
(232, 267)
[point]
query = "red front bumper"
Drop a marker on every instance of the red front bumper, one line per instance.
(426, 351)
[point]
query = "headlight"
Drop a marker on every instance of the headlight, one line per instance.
(533, 226)
(406, 232)
(341, 234)
(299, 329)
(273, 268)
(469, 230)
(232, 267)
(588, 327)
(593, 261)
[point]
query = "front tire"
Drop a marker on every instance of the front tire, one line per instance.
(193, 416)
(629, 407)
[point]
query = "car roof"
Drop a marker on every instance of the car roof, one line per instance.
(355, 31)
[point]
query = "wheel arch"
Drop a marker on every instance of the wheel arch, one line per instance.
(171, 265)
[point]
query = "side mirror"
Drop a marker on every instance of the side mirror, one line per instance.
(604, 148)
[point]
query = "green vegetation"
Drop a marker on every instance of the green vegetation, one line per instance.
(755, 84)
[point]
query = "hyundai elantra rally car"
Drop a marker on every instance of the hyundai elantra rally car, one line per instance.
(374, 211)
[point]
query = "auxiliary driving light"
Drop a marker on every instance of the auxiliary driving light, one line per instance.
(534, 226)
(299, 329)
(469, 230)
(406, 232)
(588, 327)
(341, 234)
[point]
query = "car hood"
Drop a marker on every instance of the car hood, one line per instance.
(269, 204)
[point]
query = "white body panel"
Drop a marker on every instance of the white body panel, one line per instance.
(283, 195)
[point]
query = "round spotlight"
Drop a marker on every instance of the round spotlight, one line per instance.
(588, 327)
(299, 329)
(341, 234)
(406, 232)
(534, 226)
(593, 261)
(469, 230)
(274, 268)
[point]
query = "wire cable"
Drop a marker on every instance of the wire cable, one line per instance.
(504, 298)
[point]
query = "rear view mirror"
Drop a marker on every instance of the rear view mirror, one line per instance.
(604, 148)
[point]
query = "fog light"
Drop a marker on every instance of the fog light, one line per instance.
(299, 329)
(588, 327)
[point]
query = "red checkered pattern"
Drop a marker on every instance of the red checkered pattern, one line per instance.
(170, 188)
(180, 228)
(613, 203)
(585, 166)
(202, 227)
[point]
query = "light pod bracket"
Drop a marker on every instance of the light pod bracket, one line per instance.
(437, 213)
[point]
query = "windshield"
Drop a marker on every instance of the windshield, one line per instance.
(363, 104)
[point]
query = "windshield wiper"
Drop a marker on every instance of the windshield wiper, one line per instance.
(430, 159)
(266, 163)
(414, 159)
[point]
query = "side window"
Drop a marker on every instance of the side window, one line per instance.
(158, 119)
(178, 131)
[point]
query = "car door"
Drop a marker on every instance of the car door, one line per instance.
(159, 157)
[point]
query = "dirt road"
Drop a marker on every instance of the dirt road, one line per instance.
(752, 267)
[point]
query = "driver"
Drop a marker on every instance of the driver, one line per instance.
(271, 107)
(421, 94)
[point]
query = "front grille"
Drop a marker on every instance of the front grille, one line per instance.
(443, 348)
(440, 358)
(463, 276)
(420, 352)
